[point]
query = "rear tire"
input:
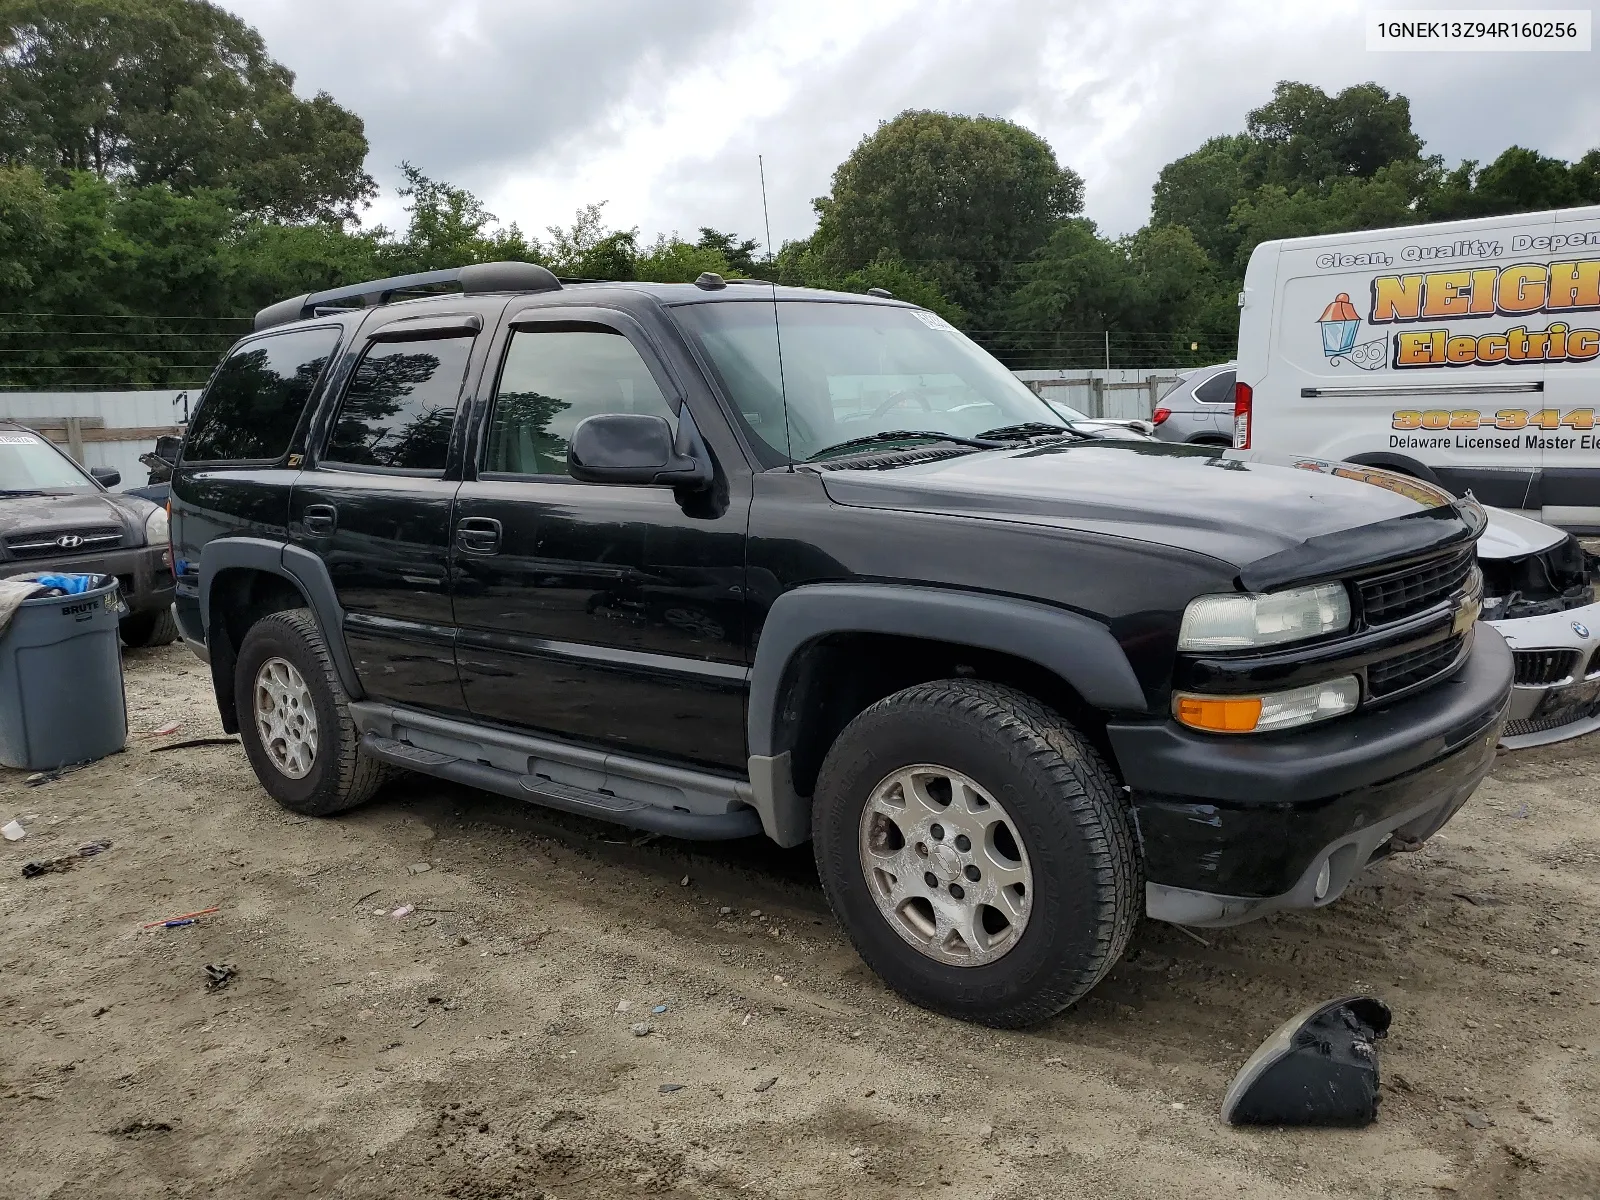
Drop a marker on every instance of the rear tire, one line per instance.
(149, 628)
(1040, 789)
(294, 719)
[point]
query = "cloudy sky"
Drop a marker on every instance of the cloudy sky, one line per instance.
(660, 107)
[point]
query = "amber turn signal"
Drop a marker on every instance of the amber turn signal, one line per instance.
(1220, 714)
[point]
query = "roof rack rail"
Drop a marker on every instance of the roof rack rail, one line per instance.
(473, 279)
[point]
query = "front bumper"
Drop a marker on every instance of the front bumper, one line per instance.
(1569, 707)
(1234, 828)
(144, 572)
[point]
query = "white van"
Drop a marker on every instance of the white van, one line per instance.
(1466, 353)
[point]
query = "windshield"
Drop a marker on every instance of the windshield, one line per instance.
(1067, 411)
(854, 370)
(29, 464)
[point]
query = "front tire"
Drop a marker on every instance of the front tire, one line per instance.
(143, 629)
(1031, 882)
(294, 719)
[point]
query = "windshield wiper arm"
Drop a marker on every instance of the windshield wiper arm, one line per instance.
(895, 435)
(1031, 429)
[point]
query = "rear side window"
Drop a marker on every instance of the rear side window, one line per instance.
(1216, 390)
(554, 378)
(400, 405)
(252, 406)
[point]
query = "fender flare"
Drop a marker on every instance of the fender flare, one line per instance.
(1079, 650)
(300, 567)
(1402, 463)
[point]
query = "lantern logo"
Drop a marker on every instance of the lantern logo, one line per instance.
(1341, 325)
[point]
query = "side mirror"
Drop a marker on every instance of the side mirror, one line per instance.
(638, 448)
(107, 477)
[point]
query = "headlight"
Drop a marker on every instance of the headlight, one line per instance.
(155, 528)
(1243, 621)
(1272, 710)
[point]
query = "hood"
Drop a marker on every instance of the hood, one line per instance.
(1511, 536)
(63, 512)
(1118, 430)
(1199, 498)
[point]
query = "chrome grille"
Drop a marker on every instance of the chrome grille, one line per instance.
(1537, 667)
(42, 542)
(1405, 593)
(1406, 671)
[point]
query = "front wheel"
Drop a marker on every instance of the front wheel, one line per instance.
(143, 629)
(977, 851)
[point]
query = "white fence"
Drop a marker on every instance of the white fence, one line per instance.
(1122, 393)
(101, 429)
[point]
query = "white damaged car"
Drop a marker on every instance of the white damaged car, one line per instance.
(1538, 592)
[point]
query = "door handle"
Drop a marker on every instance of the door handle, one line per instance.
(320, 519)
(478, 535)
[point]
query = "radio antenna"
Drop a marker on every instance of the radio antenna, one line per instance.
(765, 216)
(777, 330)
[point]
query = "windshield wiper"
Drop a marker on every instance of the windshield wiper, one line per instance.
(895, 435)
(1031, 429)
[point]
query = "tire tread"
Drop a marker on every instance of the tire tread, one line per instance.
(356, 776)
(1090, 798)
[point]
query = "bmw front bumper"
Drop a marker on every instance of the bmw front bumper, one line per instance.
(1553, 705)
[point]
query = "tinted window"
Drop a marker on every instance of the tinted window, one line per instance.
(252, 406)
(554, 378)
(852, 371)
(400, 404)
(1216, 390)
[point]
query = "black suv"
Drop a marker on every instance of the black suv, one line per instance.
(721, 559)
(56, 516)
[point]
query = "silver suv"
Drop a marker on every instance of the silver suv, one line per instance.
(1199, 409)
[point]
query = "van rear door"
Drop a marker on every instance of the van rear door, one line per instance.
(1569, 481)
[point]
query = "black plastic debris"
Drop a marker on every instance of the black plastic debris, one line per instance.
(1320, 1067)
(63, 862)
(219, 975)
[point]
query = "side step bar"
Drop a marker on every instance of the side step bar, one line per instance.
(576, 779)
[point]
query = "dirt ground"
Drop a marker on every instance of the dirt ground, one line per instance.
(483, 1045)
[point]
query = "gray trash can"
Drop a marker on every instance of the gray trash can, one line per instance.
(61, 698)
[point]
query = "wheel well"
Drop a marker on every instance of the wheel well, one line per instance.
(241, 596)
(833, 679)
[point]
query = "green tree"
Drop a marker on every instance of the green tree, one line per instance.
(1519, 180)
(1149, 293)
(672, 260)
(1199, 190)
(1304, 137)
(961, 200)
(739, 255)
(449, 227)
(176, 92)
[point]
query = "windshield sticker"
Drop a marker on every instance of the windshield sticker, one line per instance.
(18, 439)
(932, 320)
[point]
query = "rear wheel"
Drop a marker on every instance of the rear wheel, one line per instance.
(976, 850)
(149, 628)
(294, 719)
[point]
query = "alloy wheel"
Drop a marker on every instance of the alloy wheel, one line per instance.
(945, 865)
(286, 718)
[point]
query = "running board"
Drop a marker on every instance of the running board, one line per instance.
(664, 799)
